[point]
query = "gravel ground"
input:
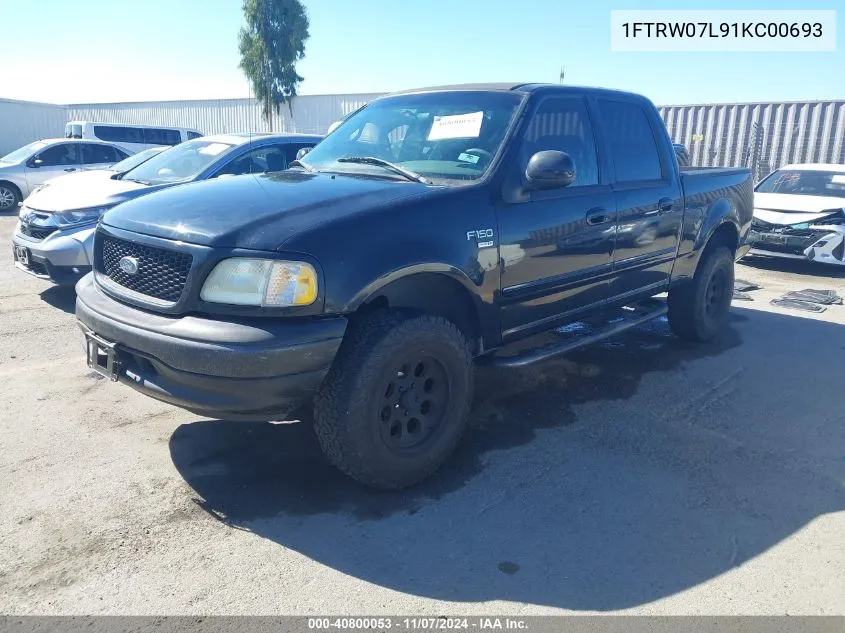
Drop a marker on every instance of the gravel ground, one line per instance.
(644, 475)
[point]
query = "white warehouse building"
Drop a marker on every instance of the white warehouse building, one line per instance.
(763, 136)
(22, 122)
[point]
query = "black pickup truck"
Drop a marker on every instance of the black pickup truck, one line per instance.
(430, 230)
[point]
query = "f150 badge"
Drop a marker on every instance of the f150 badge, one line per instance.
(483, 236)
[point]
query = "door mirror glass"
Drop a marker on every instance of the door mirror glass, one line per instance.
(302, 152)
(550, 169)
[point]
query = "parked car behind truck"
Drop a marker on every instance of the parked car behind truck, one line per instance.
(430, 230)
(28, 167)
(55, 235)
(799, 213)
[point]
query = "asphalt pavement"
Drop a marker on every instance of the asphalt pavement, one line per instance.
(643, 475)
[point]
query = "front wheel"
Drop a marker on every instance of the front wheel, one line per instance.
(698, 309)
(396, 401)
(9, 197)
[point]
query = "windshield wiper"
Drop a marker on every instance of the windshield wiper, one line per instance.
(296, 163)
(372, 160)
(140, 182)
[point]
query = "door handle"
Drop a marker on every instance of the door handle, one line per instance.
(664, 205)
(597, 216)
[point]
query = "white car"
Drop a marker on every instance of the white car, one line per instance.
(799, 213)
(54, 237)
(30, 166)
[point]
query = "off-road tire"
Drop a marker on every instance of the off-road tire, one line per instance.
(693, 315)
(351, 400)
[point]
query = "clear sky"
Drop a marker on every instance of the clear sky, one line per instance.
(114, 50)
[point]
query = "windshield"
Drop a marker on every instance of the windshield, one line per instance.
(805, 183)
(136, 159)
(23, 153)
(451, 136)
(180, 163)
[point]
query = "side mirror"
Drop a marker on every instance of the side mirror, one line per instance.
(302, 152)
(36, 162)
(550, 169)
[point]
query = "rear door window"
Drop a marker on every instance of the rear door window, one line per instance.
(119, 134)
(156, 136)
(94, 154)
(633, 148)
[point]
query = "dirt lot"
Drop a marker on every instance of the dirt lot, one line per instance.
(645, 475)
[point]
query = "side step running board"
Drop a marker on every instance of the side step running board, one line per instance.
(630, 317)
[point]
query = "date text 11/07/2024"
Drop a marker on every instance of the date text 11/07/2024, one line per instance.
(417, 624)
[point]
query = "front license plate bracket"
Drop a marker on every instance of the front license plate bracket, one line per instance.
(102, 356)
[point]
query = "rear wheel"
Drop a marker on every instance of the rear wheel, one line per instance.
(699, 309)
(9, 197)
(396, 401)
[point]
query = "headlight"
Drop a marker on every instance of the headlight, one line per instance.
(261, 282)
(80, 216)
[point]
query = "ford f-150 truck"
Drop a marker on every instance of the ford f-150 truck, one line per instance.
(430, 230)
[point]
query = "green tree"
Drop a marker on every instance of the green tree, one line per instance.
(270, 45)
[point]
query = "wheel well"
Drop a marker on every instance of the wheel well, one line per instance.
(13, 186)
(430, 293)
(725, 235)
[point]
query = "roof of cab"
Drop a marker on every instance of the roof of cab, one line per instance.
(239, 138)
(523, 87)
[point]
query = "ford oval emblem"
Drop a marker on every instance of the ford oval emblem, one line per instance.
(129, 265)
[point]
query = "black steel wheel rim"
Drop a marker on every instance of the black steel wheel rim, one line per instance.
(413, 401)
(715, 296)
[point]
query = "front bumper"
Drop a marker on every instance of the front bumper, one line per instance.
(62, 257)
(823, 244)
(244, 369)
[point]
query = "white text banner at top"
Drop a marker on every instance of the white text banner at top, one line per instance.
(723, 31)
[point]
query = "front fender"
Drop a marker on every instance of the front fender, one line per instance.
(372, 289)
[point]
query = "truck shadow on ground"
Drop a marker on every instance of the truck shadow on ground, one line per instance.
(606, 508)
(61, 297)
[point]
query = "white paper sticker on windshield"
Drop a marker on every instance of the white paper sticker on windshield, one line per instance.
(213, 149)
(456, 126)
(468, 158)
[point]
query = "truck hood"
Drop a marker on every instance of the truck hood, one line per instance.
(255, 211)
(784, 208)
(85, 193)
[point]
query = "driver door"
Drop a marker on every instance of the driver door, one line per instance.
(556, 246)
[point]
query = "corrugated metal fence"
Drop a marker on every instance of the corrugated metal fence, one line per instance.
(763, 136)
(312, 114)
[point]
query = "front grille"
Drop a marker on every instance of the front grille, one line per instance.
(162, 273)
(37, 232)
(37, 268)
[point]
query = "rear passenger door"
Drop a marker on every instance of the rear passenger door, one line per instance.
(648, 198)
(95, 156)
